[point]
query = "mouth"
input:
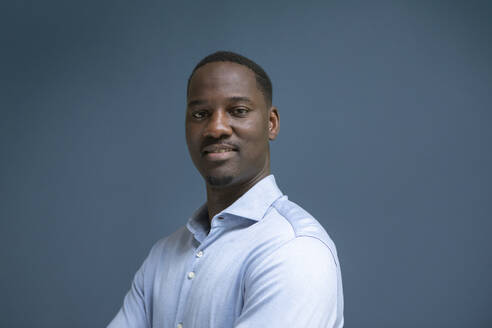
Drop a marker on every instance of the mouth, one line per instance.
(218, 152)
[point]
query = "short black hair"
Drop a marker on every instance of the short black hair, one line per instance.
(262, 79)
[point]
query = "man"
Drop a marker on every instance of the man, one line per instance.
(248, 257)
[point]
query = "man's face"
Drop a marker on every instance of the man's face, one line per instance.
(229, 124)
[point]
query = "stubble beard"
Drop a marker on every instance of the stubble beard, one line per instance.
(215, 181)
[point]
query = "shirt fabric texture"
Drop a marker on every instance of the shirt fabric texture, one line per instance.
(266, 262)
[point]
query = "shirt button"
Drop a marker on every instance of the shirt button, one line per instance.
(191, 275)
(199, 254)
(220, 218)
(180, 325)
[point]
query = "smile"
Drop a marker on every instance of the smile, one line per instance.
(219, 151)
(219, 154)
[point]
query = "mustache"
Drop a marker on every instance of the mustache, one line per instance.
(212, 142)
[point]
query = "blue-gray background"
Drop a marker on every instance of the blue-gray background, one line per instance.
(385, 138)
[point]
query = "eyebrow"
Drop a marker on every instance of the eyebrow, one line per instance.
(196, 103)
(240, 99)
(199, 102)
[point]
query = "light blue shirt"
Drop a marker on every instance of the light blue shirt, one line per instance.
(266, 262)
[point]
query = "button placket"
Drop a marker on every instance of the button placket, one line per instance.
(189, 277)
(215, 233)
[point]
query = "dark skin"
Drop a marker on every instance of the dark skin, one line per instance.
(229, 124)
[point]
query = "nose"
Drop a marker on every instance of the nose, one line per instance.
(218, 125)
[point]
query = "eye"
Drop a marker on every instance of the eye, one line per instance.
(240, 111)
(199, 114)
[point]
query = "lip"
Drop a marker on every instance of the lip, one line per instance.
(218, 148)
(219, 152)
(219, 156)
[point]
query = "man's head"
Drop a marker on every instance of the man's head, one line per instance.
(262, 78)
(230, 120)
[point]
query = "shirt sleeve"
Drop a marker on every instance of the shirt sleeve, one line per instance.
(133, 312)
(295, 286)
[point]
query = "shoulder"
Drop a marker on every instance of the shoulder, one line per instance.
(303, 268)
(167, 248)
(305, 228)
(177, 240)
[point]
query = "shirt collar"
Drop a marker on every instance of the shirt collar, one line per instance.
(255, 202)
(198, 223)
(251, 205)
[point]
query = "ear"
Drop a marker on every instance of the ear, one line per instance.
(273, 123)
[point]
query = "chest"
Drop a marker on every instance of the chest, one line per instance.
(203, 282)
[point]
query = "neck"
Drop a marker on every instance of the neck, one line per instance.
(219, 198)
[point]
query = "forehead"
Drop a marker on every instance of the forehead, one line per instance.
(223, 79)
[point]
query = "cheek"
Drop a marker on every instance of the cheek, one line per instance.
(259, 132)
(192, 135)
(255, 140)
(255, 129)
(193, 145)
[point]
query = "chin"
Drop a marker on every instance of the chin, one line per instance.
(220, 181)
